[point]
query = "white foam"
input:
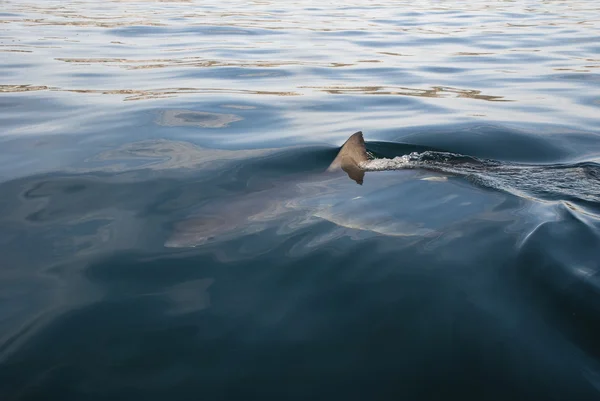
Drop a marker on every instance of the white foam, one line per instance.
(397, 163)
(528, 181)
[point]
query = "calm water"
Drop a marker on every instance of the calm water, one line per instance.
(167, 231)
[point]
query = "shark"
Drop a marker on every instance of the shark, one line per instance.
(351, 157)
(411, 203)
(417, 194)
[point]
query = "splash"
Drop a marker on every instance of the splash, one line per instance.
(579, 181)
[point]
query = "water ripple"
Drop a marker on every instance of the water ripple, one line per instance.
(414, 263)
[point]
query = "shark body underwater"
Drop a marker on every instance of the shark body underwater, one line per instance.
(434, 192)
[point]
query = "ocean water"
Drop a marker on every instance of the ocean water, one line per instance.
(168, 229)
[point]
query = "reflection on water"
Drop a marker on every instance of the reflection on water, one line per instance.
(196, 62)
(280, 280)
(163, 154)
(21, 88)
(541, 56)
(197, 118)
(433, 92)
(132, 94)
(367, 90)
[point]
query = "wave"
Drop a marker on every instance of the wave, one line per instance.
(580, 181)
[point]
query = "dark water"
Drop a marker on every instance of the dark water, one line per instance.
(167, 231)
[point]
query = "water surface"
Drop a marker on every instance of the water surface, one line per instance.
(167, 231)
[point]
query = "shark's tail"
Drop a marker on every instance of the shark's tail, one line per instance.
(350, 156)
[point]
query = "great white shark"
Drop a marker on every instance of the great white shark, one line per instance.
(393, 204)
(351, 157)
(377, 207)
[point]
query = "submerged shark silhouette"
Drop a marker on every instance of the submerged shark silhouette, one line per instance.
(326, 196)
(288, 204)
(293, 202)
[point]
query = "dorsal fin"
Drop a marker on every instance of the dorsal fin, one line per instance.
(352, 153)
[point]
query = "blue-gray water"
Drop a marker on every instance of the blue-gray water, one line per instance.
(167, 230)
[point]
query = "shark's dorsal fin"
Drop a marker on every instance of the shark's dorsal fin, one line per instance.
(352, 153)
